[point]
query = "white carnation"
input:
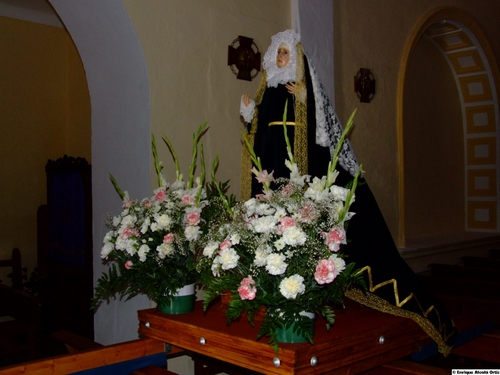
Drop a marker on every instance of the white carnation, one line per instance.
(145, 225)
(339, 264)
(291, 286)
(275, 264)
(192, 233)
(116, 221)
(108, 236)
(143, 252)
(164, 221)
(280, 213)
(235, 238)
(264, 224)
(106, 249)
(164, 250)
(210, 248)
(250, 206)
(261, 256)
(279, 244)
(216, 267)
(264, 209)
(128, 221)
(294, 236)
(125, 244)
(228, 258)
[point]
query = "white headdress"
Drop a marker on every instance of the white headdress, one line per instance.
(287, 73)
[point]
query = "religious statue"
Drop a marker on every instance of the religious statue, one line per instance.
(314, 131)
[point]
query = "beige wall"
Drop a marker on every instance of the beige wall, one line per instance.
(373, 34)
(185, 45)
(186, 51)
(45, 113)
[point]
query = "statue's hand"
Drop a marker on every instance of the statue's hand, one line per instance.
(246, 100)
(290, 86)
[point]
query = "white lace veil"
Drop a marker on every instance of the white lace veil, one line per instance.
(282, 75)
(328, 126)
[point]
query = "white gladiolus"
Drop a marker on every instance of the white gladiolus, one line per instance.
(339, 192)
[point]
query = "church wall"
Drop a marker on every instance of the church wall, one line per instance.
(373, 35)
(185, 45)
(41, 75)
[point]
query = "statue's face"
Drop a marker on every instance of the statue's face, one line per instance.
(283, 57)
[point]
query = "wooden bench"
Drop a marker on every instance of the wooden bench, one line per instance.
(142, 356)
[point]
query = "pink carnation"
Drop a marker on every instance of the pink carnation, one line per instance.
(127, 203)
(129, 232)
(187, 200)
(288, 190)
(285, 222)
(169, 238)
(308, 213)
(147, 203)
(161, 195)
(247, 288)
(128, 264)
(193, 218)
(334, 238)
(325, 271)
(226, 244)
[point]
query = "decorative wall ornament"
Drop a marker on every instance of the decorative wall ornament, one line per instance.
(243, 58)
(364, 85)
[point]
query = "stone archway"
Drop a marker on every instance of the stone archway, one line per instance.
(119, 93)
(475, 73)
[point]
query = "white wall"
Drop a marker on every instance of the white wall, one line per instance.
(119, 91)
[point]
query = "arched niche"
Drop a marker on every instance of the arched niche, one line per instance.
(458, 158)
(118, 84)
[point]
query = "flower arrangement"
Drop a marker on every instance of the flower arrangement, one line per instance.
(152, 243)
(282, 250)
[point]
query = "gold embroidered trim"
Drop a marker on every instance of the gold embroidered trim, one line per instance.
(281, 123)
(300, 134)
(440, 334)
